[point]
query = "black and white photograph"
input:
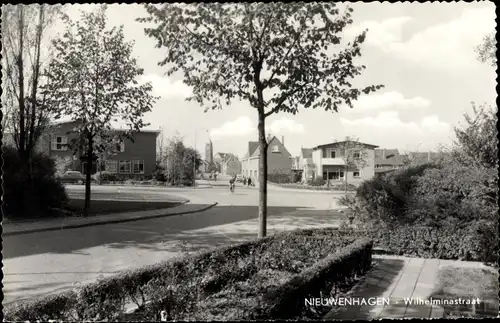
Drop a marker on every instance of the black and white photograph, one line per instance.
(249, 161)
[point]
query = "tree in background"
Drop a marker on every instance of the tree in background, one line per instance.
(181, 162)
(277, 58)
(24, 53)
(93, 79)
(486, 52)
(354, 155)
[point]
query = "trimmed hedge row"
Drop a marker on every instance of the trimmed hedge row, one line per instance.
(473, 243)
(330, 273)
(336, 187)
(106, 299)
(171, 285)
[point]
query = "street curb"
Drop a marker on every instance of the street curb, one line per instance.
(83, 225)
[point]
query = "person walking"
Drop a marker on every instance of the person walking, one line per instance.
(232, 184)
(249, 181)
(244, 181)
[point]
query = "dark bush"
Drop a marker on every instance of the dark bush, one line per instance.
(105, 176)
(388, 197)
(318, 181)
(35, 197)
(159, 174)
(279, 178)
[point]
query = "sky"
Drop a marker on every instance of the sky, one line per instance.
(422, 52)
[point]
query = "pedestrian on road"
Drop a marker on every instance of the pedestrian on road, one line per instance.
(249, 182)
(244, 181)
(232, 183)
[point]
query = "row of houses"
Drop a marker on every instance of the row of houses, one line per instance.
(327, 160)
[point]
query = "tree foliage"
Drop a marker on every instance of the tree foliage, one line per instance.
(487, 50)
(94, 80)
(25, 51)
(477, 140)
(276, 58)
(181, 162)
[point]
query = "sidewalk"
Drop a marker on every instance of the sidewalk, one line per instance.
(397, 278)
(79, 222)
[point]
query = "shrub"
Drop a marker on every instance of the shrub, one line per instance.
(279, 178)
(181, 285)
(106, 176)
(474, 243)
(337, 270)
(35, 197)
(386, 198)
(318, 181)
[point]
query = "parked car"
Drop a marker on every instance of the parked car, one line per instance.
(72, 177)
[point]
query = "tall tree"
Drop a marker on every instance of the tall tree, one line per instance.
(24, 54)
(93, 77)
(275, 57)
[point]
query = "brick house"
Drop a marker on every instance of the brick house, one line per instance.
(330, 165)
(129, 159)
(279, 159)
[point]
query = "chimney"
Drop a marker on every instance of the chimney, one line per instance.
(283, 140)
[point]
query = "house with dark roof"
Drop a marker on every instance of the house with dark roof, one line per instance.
(227, 164)
(329, 162)
(387, 160)
(279, 159)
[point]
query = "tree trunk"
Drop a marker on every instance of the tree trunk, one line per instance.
(345, 176)
(262, 176)
(20, 66)
(90, 152)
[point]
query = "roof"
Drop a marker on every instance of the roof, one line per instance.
(226, 156)
(340, 142)
(256, 153)
(390, 157)
(306, 152)
(252, 146)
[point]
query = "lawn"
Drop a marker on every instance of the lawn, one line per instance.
(99, 207)
(468, 283)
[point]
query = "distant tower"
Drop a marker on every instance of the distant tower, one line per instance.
(209, 152)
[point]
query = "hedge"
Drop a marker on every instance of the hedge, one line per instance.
(333, 272)
(180, 285)
(334, 187)
(472, 243)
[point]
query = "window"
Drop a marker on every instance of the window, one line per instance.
(138, 166)
(124, 166)
(356, 155)
(355, 174)
(60, 143)
(333, 153)
(275, 149)
(111, 166)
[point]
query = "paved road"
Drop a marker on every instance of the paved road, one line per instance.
(222, 195)
(40, 263)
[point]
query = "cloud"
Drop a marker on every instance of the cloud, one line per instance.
(285, 125)
(450, 44)
(390, 121)
(388, 100)
(380, 34)
(164, 87)
(240, 127)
